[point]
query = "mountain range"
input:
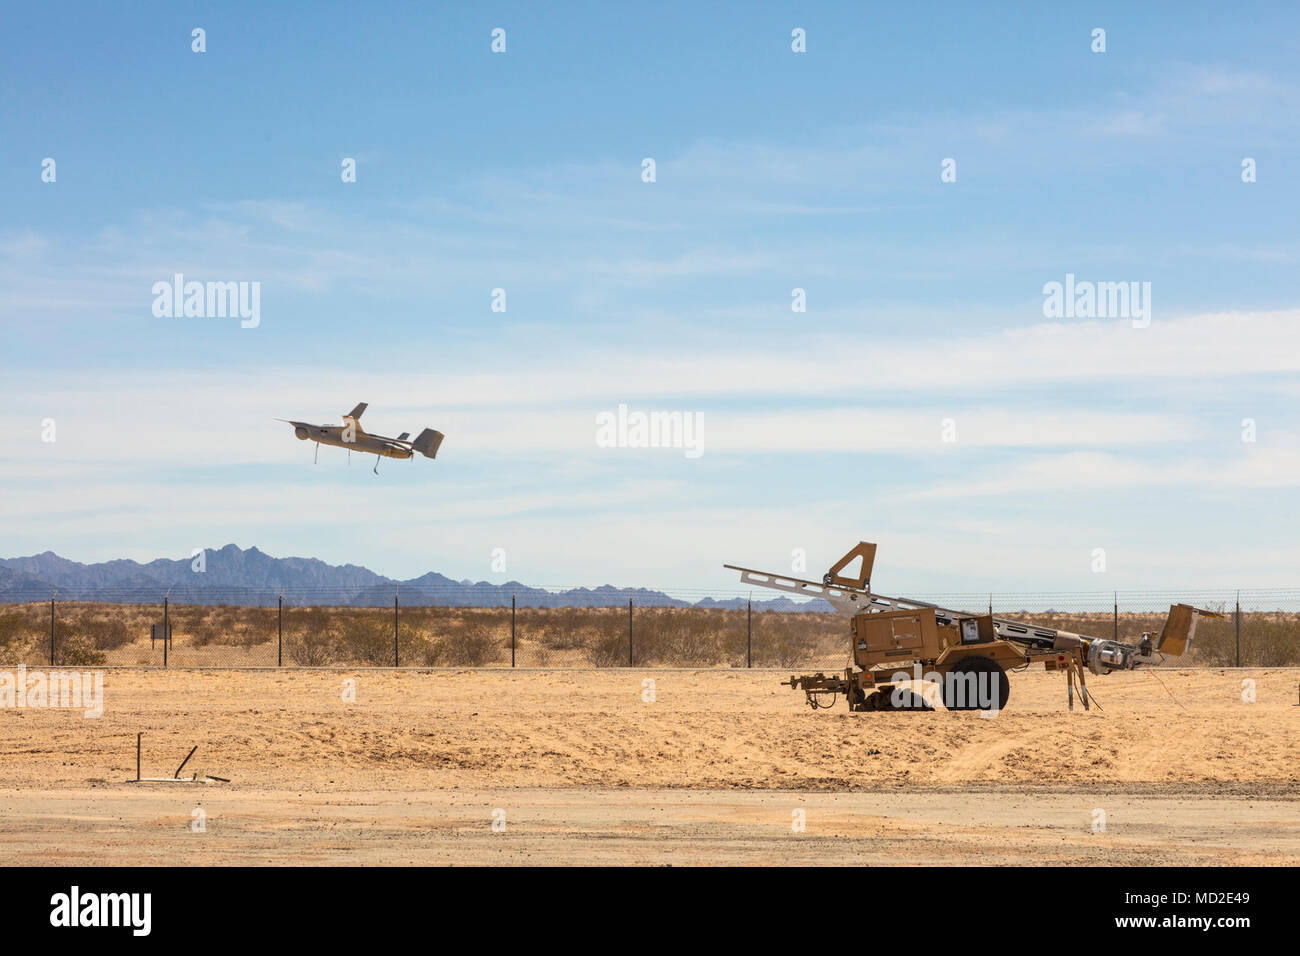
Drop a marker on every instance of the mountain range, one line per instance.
(234, 575)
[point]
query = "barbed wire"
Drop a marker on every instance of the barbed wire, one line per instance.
(490, 594)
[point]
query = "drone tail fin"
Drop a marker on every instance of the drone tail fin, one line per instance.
(428, 442)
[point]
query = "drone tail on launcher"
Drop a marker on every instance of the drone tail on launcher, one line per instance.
(427, 443)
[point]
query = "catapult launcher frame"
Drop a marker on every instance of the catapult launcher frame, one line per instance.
(968, 655)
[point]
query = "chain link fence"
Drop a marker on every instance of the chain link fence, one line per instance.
(243, 628)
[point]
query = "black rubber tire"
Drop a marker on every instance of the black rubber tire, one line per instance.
(978, 666)
(910, 701)
(883, 700)
(876, 701)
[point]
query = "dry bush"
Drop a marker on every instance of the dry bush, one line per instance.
(791, 640)
(311, 649)
(107, 634)
(364, 638)
(607, 650)
(76, 650)
(663, 636)
(686, 645)
(476, 647)
(560, 639)
(16, 639)
(309, 636)
(472, 637)
(1268, 639)
(479, 644)
(202, 633)
(559, 629)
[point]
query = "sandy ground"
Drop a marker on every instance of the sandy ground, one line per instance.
(714, 769)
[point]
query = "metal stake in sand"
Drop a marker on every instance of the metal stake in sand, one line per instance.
(175, 778)
(177, 774)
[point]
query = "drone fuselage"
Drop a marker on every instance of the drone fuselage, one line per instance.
(352, 438)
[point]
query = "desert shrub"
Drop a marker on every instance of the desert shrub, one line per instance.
(560, 629)
(202, 632)
(687, 645)
(15, 638)
(414, 650)
(309, 636)
(251, 636)
(475, 645)
(429, 653)
(662, 636)
(1268, 639)
(76, 650)
(11, 626)
(364, 638)
(1214, 642)
(559, 639)
(311, 649)
(237, 627)
(107, 635)
(607, 650)
(791, 640)
(478, 645)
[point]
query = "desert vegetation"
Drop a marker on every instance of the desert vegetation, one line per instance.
(90, 634)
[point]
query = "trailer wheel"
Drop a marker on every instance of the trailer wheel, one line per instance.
(989, 677)
(884, 700)
(910, 700)
(876, 701)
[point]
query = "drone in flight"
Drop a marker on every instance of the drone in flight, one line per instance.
(350, 435)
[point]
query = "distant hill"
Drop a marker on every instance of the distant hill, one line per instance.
(234, 575)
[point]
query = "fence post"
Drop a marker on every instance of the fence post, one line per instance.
(279, 634)
(512, 630)
(629, 631)
(1236, 627)
(167, 631)
(749, 633)
(1115, 595)
(52, 630)
(396, 655)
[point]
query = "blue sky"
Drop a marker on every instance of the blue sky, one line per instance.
(775, 171)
